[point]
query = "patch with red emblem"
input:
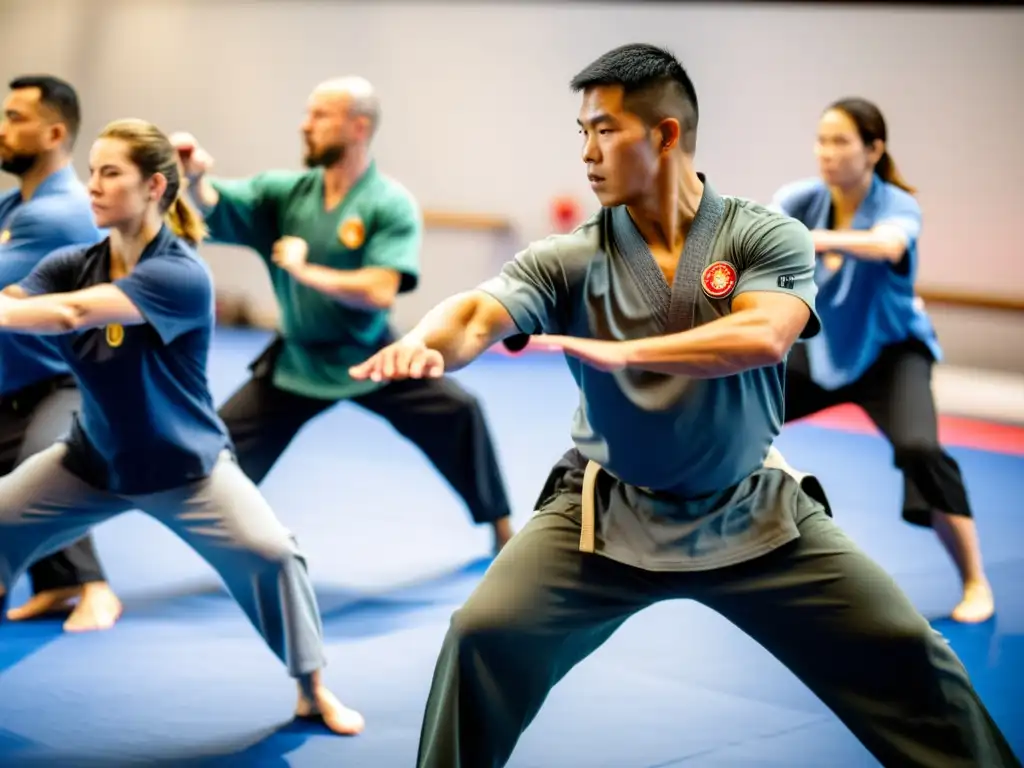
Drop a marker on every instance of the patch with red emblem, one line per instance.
(718, 279)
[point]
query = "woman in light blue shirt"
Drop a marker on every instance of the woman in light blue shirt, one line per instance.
(877, 346)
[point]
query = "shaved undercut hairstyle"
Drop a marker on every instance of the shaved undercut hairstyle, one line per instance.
(655, 86)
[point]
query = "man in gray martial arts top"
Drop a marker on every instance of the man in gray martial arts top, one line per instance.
(676, 309)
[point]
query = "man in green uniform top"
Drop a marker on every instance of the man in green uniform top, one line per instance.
(676, 308)
(341, 241)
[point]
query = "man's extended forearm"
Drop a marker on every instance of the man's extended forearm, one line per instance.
(461, 328)
(357, 288)
(727, 346)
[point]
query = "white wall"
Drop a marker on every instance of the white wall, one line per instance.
(478, 116)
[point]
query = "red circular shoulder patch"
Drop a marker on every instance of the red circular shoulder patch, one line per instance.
(718, 279)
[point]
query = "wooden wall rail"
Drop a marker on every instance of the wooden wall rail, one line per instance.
(466, 222)
(950, 298)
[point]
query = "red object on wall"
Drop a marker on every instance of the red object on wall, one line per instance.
(565, 214)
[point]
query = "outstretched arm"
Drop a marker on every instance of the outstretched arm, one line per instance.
(46, 300)
(449, 337)
(172, 296)
(525, 298)
(58, 313)
(464, 327)
(896, 232)
(771, 308)
(758, 334)
(885, 242)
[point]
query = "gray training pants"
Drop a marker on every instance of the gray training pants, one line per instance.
(224, 518)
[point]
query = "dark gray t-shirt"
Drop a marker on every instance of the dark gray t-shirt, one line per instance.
(688, 454)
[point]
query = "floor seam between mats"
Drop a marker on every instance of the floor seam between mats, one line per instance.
(705, 752)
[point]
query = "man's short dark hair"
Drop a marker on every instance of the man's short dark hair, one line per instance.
(56, 94)
(655, 86)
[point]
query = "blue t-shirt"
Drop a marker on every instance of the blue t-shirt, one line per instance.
(148, 422)
(57, 216)
(865, 305)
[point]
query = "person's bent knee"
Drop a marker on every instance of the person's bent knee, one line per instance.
(272, 553)
(911, 645)
(474, 623)
(920, 517)
(913, 455)
(465, 403)
(9, 514)
(937, 476)
(12, 507)
(467, 623)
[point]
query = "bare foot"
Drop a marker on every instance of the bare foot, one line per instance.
(326, 708)
(98, 609)
(502, 533)
(977, 604)
(45, 603)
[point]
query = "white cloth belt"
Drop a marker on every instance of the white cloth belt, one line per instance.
(774, 460)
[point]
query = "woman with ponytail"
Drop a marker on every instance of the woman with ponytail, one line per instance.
(185, 222)
(133, 317)
(877, 346)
